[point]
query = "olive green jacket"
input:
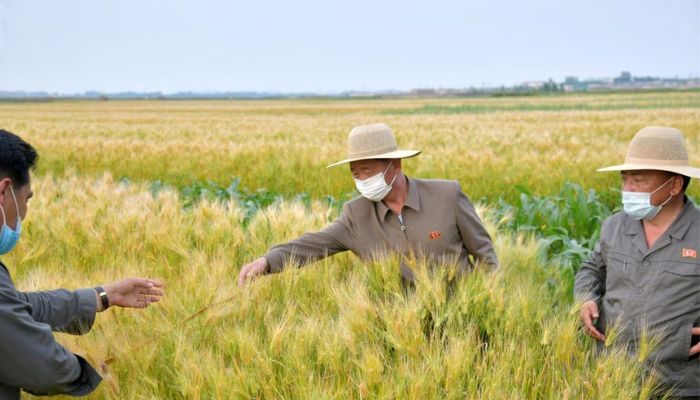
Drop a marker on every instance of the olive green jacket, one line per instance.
(439, 224)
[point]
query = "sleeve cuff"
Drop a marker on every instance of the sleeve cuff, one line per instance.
(275, 260)
(87, 309)
(583, 297)
(88, 381)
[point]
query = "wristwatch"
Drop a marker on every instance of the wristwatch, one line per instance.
(103, 297)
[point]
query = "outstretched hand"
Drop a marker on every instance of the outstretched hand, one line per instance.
(133, 292)
(253, 270)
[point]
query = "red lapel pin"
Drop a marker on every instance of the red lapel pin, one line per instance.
(689, 253)
(434, 235)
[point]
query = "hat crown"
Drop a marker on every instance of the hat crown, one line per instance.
(373, 142)
(657, 148)
(370, 140)
(658, 144)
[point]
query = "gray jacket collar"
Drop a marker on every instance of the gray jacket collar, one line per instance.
(412, 201)
(677, 230)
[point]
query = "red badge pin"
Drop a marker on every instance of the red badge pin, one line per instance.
(689, 253)
(434, 235)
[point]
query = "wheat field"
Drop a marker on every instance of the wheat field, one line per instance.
(340, 328)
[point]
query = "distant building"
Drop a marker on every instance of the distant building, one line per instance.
(624, 78)
(535, 85)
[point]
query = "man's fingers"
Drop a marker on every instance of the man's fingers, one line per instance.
(694, 350)
(242, 276)
(156, 283)
(586, 318)
(147, 300)
(588, 315)
(147, 283)
(153, 292)
(248, 273)
(143, 301)
(594, 333)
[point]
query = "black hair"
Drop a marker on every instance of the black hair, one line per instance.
(686, 179)
(17, 158)
(686, 182)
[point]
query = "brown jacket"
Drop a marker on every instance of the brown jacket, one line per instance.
(439, 223)
(656, 289)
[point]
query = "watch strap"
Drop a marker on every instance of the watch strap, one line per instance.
(103, 297)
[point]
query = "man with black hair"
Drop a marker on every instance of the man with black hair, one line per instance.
(30, 357)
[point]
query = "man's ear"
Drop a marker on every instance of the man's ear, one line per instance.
(4, 186)
(677, 185)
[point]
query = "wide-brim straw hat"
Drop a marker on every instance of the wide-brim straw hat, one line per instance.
(372, 142)
(657, 148)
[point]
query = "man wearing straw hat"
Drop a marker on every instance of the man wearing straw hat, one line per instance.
(643, 277)
(429, 218)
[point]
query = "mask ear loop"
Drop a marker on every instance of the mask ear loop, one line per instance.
(664, 203)
(2, 208)
(657, 189)
(387, 168)
(15, 199)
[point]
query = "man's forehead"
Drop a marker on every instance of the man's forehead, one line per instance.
(26, 188)
(647, 173)
(361, 164)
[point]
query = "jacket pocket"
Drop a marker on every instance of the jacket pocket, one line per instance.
(681, 268)
(680, 282)
(618, 279)
(684, 338)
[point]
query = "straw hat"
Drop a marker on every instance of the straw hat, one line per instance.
(371, 142)
(657, 148)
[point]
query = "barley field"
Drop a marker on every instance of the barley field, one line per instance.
(111, 200)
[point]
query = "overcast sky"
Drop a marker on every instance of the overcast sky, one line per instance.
(329, 46)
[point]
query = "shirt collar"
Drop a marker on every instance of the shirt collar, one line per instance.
(682, 223)
(412, 201)
(678, 227)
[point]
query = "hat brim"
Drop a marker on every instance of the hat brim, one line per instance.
(685, 170)
(396, 154)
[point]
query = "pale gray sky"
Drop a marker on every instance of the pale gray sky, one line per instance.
(329, 46)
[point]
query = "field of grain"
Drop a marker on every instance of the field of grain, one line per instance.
(490, 145)
(340, 328)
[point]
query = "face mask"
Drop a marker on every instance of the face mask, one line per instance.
(375, 187)
(9, 237)
(638, 204)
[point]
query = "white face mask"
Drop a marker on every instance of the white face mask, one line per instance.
(638, 204)
(375, 187)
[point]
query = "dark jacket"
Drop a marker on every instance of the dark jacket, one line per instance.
(30, 358)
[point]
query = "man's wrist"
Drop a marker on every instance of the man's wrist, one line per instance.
(102, 299)
(267, 265)
(274, 260)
